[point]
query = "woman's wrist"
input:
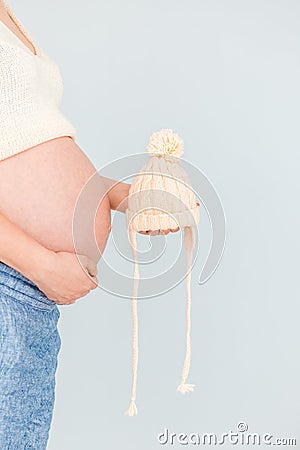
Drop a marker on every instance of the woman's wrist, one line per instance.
(122, 197)
(40, 262)
(117, 193)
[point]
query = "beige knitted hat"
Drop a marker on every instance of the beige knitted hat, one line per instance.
(161, 198)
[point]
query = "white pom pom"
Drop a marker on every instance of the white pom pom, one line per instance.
(165, 143)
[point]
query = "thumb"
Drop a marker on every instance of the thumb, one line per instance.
(95, 280)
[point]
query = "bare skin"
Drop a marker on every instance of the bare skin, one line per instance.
(39, 192)
(5, 18)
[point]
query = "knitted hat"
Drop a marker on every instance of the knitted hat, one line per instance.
(161, 198)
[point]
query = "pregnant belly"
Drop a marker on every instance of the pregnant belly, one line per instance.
(52, 192)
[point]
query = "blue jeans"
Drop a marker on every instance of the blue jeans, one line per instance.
(29, 346)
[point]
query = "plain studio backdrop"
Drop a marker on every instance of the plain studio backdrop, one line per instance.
(224, 75)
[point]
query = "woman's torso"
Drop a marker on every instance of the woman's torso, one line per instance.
(40, 187)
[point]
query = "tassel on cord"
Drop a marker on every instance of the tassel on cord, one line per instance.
(189, 242)
(132, 409)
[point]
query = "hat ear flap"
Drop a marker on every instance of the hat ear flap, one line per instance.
(132, 409)
(189, 243)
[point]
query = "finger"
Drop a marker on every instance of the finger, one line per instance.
(58, 302)
(154, 233)
(149, 232)
(83, 294)
(66, 302)
(91, 267)
(173, 230)
(95, 280)
(164, 231)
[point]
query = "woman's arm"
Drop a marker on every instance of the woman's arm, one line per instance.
(117, 193)
(19, 250)
(59, 275)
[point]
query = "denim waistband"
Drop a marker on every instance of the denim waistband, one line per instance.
(20, 288)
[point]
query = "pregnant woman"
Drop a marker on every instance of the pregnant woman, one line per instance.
(42, 173)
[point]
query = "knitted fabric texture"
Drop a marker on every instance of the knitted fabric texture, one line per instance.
(31, 89)
(161, 198)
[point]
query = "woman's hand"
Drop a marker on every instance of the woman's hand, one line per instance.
(63, 277)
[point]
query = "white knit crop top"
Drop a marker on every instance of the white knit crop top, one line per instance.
(31, 90)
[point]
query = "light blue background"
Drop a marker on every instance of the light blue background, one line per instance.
(225, 75)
